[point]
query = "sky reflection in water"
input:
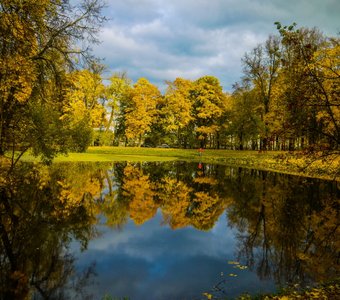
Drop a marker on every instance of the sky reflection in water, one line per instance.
(153, 261)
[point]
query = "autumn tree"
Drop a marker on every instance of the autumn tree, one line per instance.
(140, 110)
(208, 101)
(324, 71)
(312, 85)
(39, 43)
(117, 93)
(261, 67)
(84, 109)
(245, 121)
(176, 110)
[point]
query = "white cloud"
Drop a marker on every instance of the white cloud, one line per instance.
(162, 40)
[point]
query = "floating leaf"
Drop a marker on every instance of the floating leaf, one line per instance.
(209, 296)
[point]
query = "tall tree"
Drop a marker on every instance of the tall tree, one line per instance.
(87, 90)
(117, 91)
(324, 71)
(39, 43)
(209, 103)
(175, 112)
(84, 108)
(140, 110)
(261, 67)
(298, 48)
(245, 119)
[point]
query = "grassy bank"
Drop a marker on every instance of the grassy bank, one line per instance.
(271, 160)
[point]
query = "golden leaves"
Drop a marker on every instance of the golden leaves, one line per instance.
(141, 108)
(138, 189)
(176, 106)
(176, 198)
(18, 74)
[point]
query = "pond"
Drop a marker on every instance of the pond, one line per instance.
(171, 230)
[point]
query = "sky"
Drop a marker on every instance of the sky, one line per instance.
(164, 39)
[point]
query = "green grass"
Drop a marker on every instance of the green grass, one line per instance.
(270, 160)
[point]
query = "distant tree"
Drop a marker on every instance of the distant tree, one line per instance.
(261, 67)
(140, 110)
(83, 109)
(117, 92)
(209, 104)
(245, 116)
(176, 107)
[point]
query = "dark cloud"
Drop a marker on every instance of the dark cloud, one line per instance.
(162, 40)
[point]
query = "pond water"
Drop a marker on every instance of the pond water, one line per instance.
(171, 230)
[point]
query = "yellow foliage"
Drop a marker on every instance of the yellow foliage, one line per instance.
(139, 191)
(208, 295)
(141, 108)
(176, 110)
(85, 91)
(206, 180)
(175, 196)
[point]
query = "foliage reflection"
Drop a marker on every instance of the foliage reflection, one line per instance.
(287, 227)
(41, 211)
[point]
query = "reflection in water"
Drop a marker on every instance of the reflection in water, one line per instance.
(286, 227)
(40, 211)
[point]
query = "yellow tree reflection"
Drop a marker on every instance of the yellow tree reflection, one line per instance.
(35, 230)
(140, 193)
(175, 199)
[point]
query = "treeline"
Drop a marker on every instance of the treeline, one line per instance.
(53, 98)
(287, 99)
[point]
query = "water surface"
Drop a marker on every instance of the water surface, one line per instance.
(169, 230)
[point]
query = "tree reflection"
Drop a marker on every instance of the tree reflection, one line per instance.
(41, 210)
(185, 197)
(175, 198)
(285, 231)
(287, 226)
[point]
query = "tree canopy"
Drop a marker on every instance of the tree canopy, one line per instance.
(287, 98)
(39, 46)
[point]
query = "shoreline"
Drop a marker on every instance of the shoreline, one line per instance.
(275, 161)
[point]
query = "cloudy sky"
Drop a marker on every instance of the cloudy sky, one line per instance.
(164, 39)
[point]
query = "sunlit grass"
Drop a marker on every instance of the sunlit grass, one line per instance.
(95, 157)
(278, 161)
